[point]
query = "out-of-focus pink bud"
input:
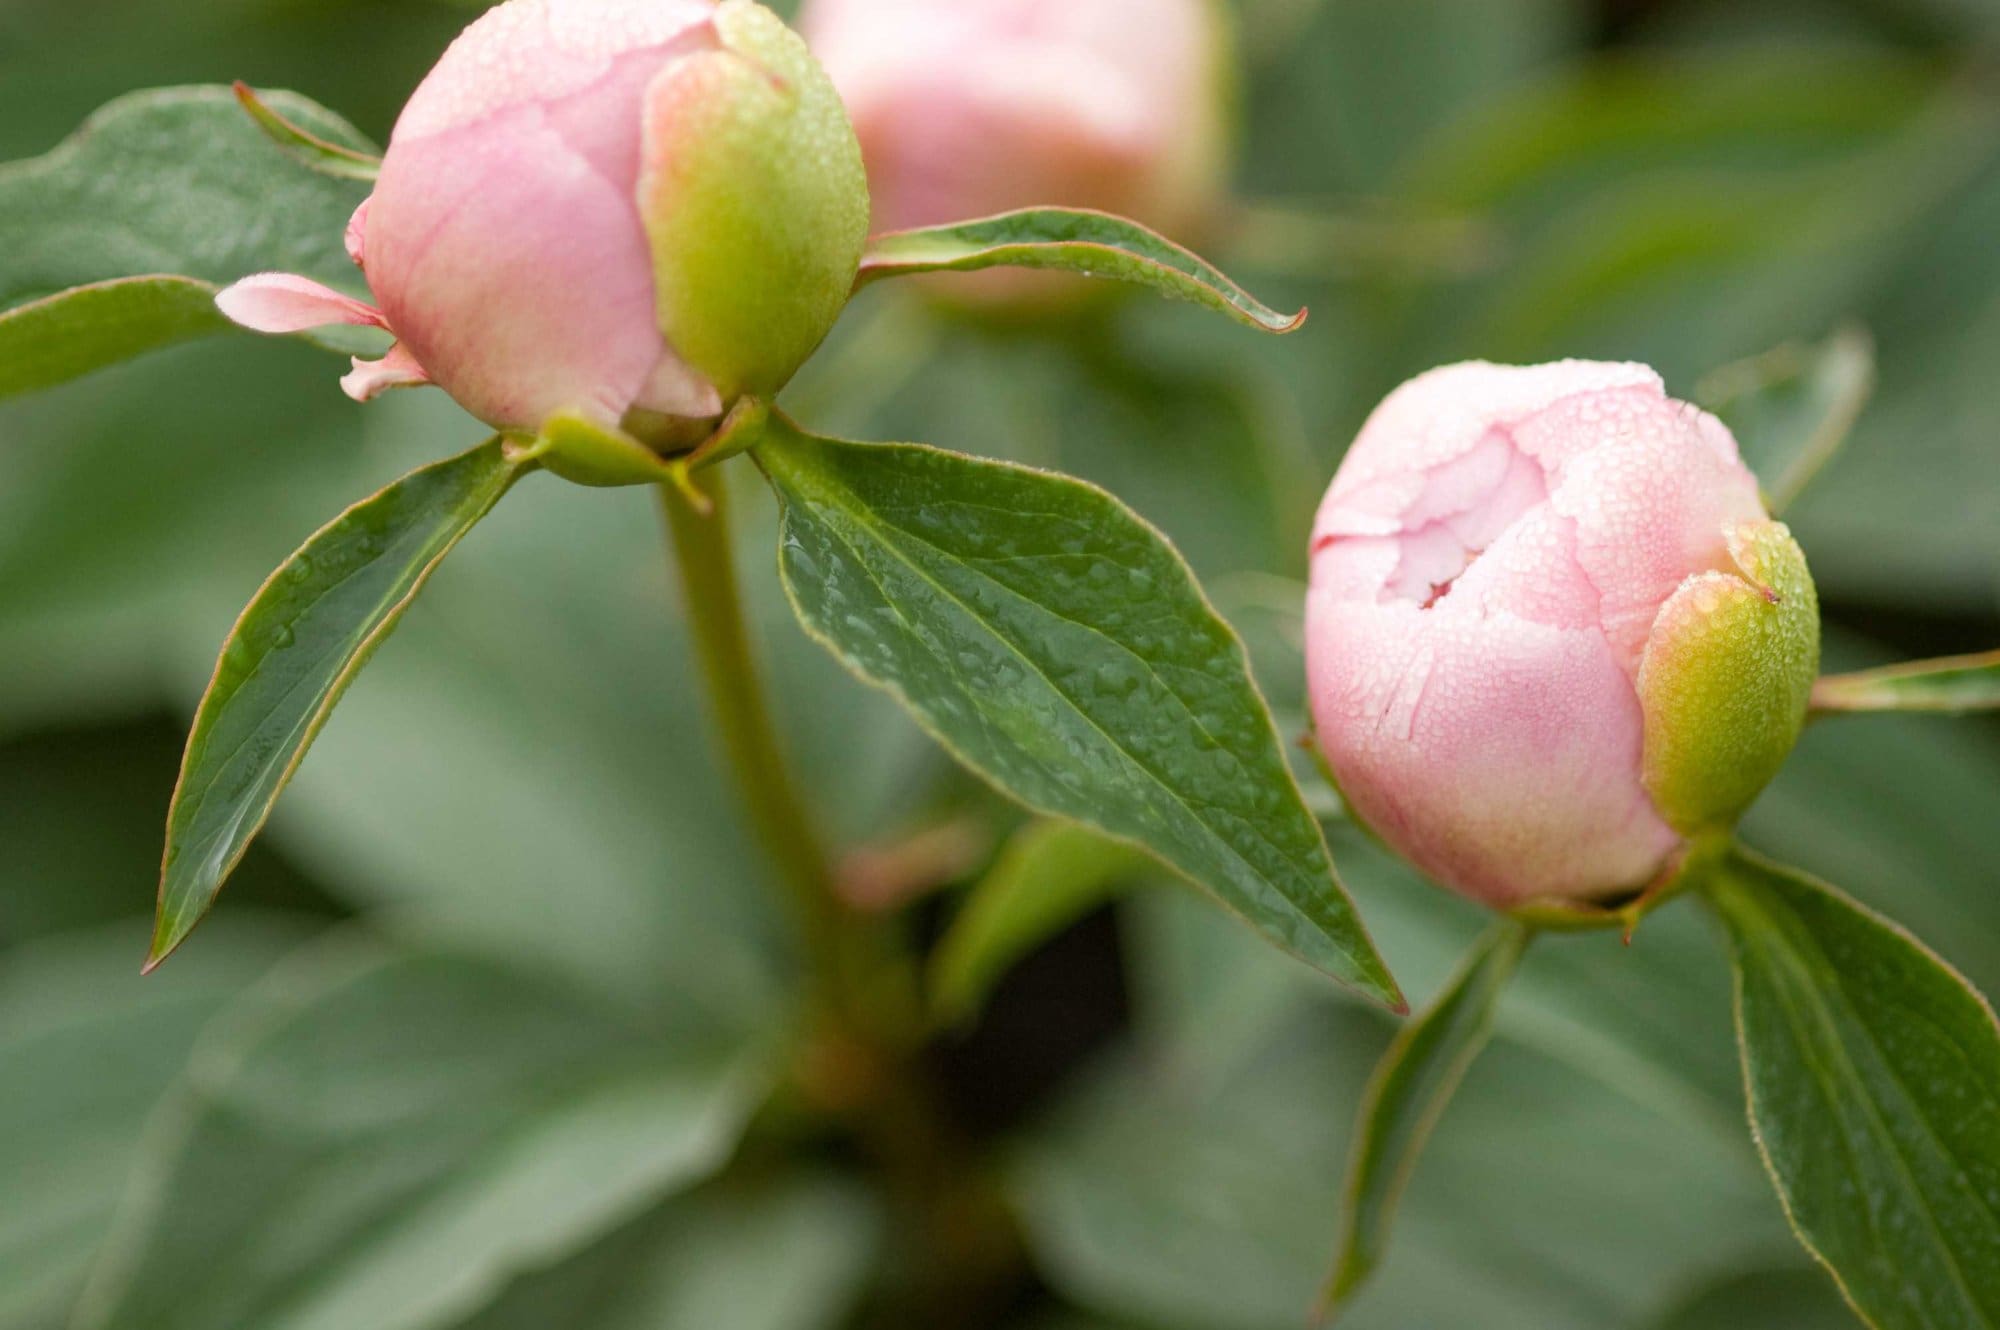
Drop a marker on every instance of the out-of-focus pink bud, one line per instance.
(631, 209)
(970, 107)
(1551, 632)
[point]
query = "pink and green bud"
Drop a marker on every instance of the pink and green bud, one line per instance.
(966, 108)
(634, 211)
(1552, 635)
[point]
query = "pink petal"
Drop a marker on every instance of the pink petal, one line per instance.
(372, 378)
(1500, 755)
(357, 234)
(278, 302)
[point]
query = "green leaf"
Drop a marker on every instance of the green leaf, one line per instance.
(1546, 1200)
(1094, 244)
(1796, 1299)
(111, 244)
(1059, 647)
(62, 337)
(288, 659)
(313, 150)
(790, 1253)
(1792, 407)
(87, 1049)
(386, 1139)
(1873, 1072)
(1407, 1095)
(1955, 683)
(1049, 875)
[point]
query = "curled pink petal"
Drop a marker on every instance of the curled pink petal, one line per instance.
(371, 378)
(278, 302)
(357, 234)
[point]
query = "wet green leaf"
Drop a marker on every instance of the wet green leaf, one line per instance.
(1092, 244)
(1058, 646)
(1874, 1079)
(1409, 1091)
(295, 650)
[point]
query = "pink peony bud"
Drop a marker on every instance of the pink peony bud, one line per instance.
(631, 209)
(966, 108)
(1551, 632)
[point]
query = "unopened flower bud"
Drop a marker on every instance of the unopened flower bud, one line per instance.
(1552, 634)
(627, 209)
(966, 108)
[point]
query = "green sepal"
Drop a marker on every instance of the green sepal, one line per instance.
(1726, 679)
(754, 200)
(583, 452)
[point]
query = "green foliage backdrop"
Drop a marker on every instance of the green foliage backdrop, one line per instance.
(515, 825)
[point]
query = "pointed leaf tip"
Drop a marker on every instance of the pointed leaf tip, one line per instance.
(291, 655)
(1408, 1093)
(318, 153)
(993, 601)
(1075, 240)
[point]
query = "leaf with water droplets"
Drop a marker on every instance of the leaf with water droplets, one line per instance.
(1874, 1081)
(299, 644)
(1061, 649)
(1407, 1094)
(1075, 240)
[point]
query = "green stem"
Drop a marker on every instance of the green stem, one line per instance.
(742, 718)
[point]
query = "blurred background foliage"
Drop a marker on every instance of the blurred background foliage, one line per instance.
(516, 815)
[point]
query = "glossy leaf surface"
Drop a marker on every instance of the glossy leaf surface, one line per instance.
(1409, 1091)
(291, 655)
(1092, 244)
(1874, 1079)
(1058, 646)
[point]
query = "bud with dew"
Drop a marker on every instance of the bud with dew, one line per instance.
(1552, 635)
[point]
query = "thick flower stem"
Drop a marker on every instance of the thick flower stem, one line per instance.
(861, 1065)
(741, 715)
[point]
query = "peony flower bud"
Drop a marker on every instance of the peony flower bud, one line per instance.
(1552, 634)
(967, 108)
(629, 209)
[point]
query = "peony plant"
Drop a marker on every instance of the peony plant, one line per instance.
(1555, 639)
